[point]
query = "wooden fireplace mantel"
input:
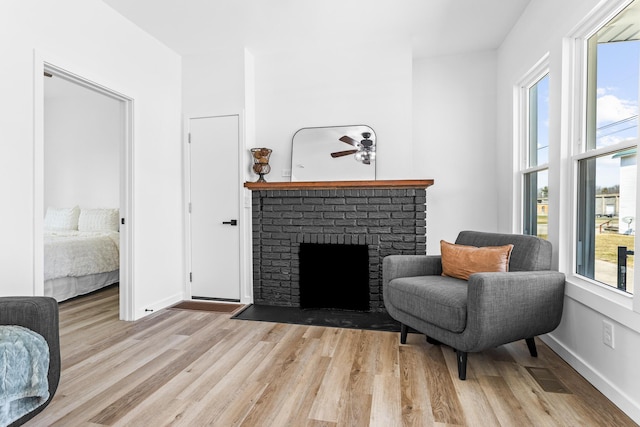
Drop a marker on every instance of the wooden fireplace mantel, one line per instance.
(321, 185)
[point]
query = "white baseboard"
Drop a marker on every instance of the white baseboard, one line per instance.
(613, 393)
(158, 305)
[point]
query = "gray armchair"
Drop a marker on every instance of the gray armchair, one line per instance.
(489, 310)
(39, 314)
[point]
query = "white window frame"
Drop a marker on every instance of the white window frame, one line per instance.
(611, 302)
(521, 134)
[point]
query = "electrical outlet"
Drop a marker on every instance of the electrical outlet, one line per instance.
(286, 172)
(607, 334)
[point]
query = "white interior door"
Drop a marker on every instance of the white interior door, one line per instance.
(215, 239)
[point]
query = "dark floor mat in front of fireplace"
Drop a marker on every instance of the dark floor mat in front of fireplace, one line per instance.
(320, 317)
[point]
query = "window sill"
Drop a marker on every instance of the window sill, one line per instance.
(609, 302)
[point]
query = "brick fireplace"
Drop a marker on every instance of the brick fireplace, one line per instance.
(389, 217)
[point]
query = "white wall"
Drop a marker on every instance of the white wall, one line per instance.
(347, 85)
(454, 110)
(213, 82)
(220, 83)
(427, 115)
(578, 339)
(82, 137)
(89, 39)
(316, 87)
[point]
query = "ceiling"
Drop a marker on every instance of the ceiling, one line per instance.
(435, 27)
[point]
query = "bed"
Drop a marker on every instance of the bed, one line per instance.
(81, 251)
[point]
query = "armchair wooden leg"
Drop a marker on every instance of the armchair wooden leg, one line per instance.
(531, 343)
(462, 364)
(403, 333)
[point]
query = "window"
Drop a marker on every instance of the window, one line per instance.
(534, 121)
(606, 162)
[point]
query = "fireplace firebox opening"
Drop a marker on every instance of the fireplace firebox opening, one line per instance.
(334, 276)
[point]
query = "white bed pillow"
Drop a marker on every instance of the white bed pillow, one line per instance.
(98, 220)
(62, 218)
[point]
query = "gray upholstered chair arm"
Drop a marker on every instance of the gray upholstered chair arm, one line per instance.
(504, 307)
(394, 266)
(40, 314)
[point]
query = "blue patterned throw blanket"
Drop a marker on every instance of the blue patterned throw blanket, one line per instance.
(24, 364)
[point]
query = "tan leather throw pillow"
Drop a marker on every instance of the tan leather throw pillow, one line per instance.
(462, 261)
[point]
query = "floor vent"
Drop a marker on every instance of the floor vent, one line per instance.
(547, 380)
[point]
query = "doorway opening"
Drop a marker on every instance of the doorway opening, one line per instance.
(86, 157)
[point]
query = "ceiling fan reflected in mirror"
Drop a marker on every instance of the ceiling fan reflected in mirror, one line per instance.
(365, 150)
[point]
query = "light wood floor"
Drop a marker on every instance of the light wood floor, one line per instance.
(196, 368)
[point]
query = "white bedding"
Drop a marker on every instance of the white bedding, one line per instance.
(80, 253)
(64, 288)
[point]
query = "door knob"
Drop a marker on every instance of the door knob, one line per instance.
(232, 222)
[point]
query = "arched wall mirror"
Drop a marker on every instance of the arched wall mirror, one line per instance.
(338, 153)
